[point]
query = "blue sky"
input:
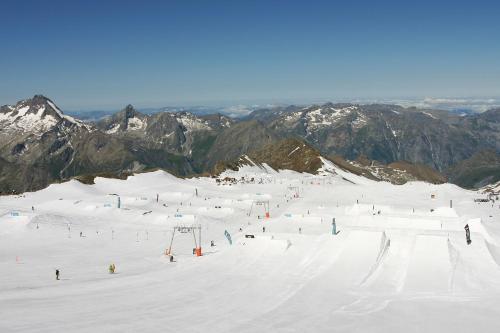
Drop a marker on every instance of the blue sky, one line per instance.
(106, 54)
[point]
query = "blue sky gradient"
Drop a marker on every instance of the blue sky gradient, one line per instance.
(106, 54)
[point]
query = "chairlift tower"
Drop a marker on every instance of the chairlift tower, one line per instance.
(183, 229)
(264, 203)
(294, 190)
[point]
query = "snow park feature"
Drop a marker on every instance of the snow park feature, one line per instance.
(327, 261)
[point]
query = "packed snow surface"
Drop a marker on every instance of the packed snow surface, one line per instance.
(399, 261)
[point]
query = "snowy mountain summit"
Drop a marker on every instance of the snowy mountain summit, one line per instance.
(36, 115)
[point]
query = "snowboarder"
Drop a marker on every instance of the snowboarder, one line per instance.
(57, 274)
(467, 234)
(212, 244)
(334, 227)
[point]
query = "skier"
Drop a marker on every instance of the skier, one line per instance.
(212, 244)
(300, 230)
(171, 258)
(81, 234)
(57, 274)
(263, 229)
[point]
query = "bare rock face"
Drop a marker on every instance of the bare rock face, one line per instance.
(481, 169)
(389, 133)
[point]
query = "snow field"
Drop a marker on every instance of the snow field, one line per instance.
(407, 268)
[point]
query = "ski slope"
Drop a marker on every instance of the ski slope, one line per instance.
(399, 262)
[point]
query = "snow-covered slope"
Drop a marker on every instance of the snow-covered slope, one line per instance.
(398, 262)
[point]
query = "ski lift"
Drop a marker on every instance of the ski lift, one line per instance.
(185, 230)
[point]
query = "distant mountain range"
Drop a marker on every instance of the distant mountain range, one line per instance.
(40, 145)
(235, 111)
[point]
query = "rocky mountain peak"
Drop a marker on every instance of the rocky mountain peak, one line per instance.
(35, 115)
(129, 112)
(40, 99)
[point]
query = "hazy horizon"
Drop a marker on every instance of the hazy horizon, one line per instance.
(239, 108)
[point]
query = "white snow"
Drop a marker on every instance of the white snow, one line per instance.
(52, 105)
(113, 129)
(429, 114)
(135, 124)
(400, 262)
(68, 118)
(22, 111)
(321, 117)
(191, 122)
(360, 121)
(20, 120)
(26, 119)
(293, 151)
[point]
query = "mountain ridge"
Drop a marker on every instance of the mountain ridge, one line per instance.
(46, 146)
